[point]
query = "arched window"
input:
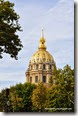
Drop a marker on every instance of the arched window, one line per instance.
(44, 66)
(36, 66)
(36, 79)
(44, 79)
(50, 66)
(30, 79)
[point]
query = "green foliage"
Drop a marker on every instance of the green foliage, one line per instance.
(27, 96)
(61, 95)
(2, 99)
(9, 41)
(20, 96)
(51, 80)
(15, 98)
(39, 98)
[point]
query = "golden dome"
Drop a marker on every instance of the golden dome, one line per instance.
(41, 55)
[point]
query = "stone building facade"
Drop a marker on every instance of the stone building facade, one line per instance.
(41, 66)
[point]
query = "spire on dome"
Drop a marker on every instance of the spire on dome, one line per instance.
(42, 33)
(42, 41)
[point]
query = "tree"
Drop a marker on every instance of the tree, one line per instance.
(15, 100)
(27, 95)
(61, 95)
(20, 97)
(2, 100)
(68, 75)
(9, 41)
(39, 98)
(55, 98)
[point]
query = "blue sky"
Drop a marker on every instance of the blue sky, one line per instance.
(57, 19)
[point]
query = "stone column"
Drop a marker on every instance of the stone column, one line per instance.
(40, 77)
(48, 77)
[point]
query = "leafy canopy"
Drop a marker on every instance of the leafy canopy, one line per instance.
(61, 94)
(39, 97)
(20, 97)
(9, 40)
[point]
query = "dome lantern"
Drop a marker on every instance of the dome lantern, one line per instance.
(42, 45)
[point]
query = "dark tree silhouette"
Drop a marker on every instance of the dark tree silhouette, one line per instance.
(9, 41)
